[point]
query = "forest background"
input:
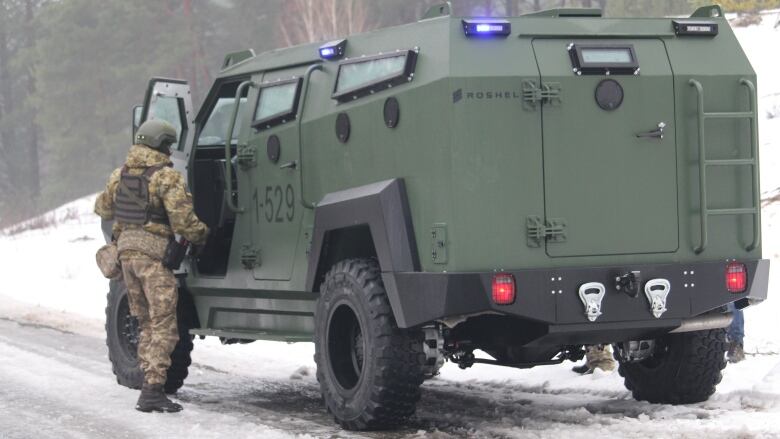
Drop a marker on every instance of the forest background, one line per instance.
(72, 70)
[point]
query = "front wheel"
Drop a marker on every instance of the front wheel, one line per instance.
(122, 335)
(684, 369)
(369, 370)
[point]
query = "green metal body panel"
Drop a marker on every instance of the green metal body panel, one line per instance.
(478, 159)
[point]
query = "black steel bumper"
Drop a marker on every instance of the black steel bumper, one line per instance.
(551, 296)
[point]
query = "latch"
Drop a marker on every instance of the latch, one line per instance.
(439, 243)
(246, 156)
(250, 256)
(533, 94)
(549, 230)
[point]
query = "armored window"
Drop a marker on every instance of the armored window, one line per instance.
(364, 76)
(603, 58)
(277, 103)
(215, 129)
(171, 110)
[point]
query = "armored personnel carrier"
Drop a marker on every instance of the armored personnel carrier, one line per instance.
(522, 186)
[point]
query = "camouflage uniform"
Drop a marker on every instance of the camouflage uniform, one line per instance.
(152, 288)
(599, 356)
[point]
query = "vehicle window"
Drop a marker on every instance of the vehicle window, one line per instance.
(276, 100)
(277, 103)
(361, 77)
(171, 110)
(361, 73)
(215, 129)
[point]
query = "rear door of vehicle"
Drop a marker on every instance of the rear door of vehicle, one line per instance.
(609, 146)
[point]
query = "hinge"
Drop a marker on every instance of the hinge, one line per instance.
(439, 243)
(533, 94)
(250, 257)
(246, 156)
(549, 230)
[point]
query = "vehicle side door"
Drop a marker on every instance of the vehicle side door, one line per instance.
(170, 100)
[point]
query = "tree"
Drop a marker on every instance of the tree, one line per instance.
(304, 21)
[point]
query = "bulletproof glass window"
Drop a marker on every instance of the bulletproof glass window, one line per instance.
(277, 103)
(171, 110)
(215, 129)
(364, 76)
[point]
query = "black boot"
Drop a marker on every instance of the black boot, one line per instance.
(582, 370)
(153, 399)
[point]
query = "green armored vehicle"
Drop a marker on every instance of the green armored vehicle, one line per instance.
(521, 186)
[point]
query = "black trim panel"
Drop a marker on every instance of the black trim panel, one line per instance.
(384, 207)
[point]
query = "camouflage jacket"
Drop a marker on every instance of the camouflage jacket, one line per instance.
(166, 189)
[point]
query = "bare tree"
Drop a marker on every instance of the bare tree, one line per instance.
(304, 21)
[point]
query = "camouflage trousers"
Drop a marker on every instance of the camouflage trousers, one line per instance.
(599, 356)
(152, 296)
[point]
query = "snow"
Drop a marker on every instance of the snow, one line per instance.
(51, 320)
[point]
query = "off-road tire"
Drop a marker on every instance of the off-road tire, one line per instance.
(121, 328)
(684, 369)
(383, 386)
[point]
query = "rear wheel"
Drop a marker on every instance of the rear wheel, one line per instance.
(122, 336)
(684, 369)
(369, 370)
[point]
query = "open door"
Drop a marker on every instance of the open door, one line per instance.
(170, 100)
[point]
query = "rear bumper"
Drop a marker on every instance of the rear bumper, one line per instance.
(551, 296)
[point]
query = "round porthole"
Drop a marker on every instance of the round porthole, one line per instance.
(342, 127)
(609, 94)
(273, 148)
(392, 112)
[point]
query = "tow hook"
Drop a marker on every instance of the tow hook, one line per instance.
(629, 283)
(591, 294)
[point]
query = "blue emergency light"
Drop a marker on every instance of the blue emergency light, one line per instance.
(333, 50)
(486, 28)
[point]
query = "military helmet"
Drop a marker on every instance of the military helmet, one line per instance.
(156, 134)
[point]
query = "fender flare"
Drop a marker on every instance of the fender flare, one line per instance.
(384, 208)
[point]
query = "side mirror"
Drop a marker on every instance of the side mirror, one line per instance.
(138, 111)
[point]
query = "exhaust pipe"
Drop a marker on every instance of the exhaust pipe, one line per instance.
(705, 322)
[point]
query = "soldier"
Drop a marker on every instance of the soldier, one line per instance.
(596, 356)
(149, 202)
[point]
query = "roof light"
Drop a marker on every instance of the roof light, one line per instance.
(503, 289)
(486, 28)
(333, 50)
(736, 277)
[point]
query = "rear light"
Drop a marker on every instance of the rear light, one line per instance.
(503, 289)
(736, 277)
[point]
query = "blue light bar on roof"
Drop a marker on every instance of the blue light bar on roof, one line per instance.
(333, 50)
(486, 28)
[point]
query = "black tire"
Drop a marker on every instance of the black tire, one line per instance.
(369, 370)
(684, 369)
(122, 340)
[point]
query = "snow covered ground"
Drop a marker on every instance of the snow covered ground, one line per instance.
(55, 379)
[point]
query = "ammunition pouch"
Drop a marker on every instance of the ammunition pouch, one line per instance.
(107, 258)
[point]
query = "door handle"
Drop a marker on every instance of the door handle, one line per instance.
(289, 165)
(657, 133)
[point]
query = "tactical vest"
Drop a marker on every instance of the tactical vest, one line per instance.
(133, 204)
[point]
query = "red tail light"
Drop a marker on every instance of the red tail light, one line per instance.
(503, 289)
(736, 277)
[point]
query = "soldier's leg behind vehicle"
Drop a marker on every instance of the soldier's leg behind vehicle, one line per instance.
(138, 308)
(736, 330)
(160, 288)
(599, 356)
